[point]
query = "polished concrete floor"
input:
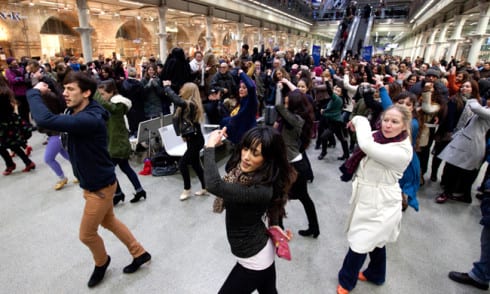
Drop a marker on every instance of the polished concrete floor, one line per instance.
(40, 251)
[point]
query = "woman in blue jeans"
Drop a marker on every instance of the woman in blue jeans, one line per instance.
(119, 146)
(479, 276)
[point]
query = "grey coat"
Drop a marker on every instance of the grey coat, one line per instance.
(467, 148)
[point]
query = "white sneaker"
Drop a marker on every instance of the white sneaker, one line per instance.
(185, 194)
(202, 192)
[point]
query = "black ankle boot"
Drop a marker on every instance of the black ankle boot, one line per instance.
(98, 274)
(343, 157)
(322, 155)
(137, 262)
(311, 231)
(118, 198)
(138, 196)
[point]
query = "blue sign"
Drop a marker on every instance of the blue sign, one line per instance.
(315, 53)
(367, 53)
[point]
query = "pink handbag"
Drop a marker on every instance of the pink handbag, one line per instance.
(280, 240)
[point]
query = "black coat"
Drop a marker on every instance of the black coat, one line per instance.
(133, 90)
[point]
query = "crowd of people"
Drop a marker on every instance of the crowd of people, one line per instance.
(388, 116)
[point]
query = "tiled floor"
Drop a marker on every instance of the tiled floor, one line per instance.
(40, 251)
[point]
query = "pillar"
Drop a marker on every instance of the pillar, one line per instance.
(480, 31)
(162, 32)
(261, 38)
(456, 37)
(441, 41)
(430, 46)
(239, 37)
(84, 29)
(209, 28)
(415, 44)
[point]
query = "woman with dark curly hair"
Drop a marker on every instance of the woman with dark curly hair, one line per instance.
(256, 185)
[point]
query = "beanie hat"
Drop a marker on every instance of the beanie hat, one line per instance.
(10, 60)
(433, 72)
(318, 71)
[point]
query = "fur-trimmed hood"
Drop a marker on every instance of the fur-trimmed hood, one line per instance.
(121, 99)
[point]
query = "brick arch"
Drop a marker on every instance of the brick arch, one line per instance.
(201, 40)
(133, 39)
(55, 26)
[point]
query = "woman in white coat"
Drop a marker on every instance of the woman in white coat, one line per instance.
(376, 214)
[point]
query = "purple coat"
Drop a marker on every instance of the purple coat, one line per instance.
(16, 81)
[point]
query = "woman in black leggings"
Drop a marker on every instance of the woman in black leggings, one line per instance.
(189, 109)
(12, 135)
(332, 114)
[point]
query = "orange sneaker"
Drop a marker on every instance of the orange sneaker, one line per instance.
(341, 290)
(362, 277)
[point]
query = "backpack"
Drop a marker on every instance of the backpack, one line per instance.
(163, 164)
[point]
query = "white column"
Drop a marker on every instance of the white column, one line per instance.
(239, 37)
(441, 41)
(456, 37)
(261, 37)
(274, 36)
(209, 28)
(430, 46)
(480, 31)
(162, 32)
(84, 29)
(415, 43)
(419, 46)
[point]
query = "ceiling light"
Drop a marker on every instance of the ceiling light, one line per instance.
(421, 11)
(130, 2)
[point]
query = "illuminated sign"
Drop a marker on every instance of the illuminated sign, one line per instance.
(10, 16)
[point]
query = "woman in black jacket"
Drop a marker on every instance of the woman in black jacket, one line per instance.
(189, 108)
(256, 185)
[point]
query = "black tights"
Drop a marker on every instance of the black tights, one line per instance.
(19, 151)
(458, 180)
(336, 128)
(191, 156)
(299, 191)
(243, 280)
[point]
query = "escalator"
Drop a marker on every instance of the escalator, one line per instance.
(359, 32)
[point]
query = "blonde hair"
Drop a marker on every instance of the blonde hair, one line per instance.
(190, 93)
(406, 117)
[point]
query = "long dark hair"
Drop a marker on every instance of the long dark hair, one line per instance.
(6, 99)
(298, 104)
(275, 171)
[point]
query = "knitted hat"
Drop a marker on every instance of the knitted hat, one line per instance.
(433, 72)
(10, 60)
(318, 71)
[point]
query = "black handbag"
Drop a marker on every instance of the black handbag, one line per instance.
(183, 126)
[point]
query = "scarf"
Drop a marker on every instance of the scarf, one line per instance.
(235, 175)
(350, 165)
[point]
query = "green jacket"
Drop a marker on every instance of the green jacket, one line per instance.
(118, 135)
(333, 110)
